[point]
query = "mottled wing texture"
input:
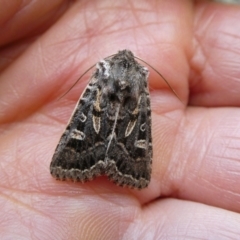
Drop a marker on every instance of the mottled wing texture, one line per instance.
(110, 130)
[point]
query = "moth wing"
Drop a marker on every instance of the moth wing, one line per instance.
(79, 155)
(130, 153)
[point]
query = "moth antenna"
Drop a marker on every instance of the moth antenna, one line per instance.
(76, 82)
(81, 77)
(165, 80)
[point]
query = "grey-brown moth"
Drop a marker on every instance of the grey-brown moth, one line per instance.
(110, 130)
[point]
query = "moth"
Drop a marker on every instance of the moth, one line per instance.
(109, 132)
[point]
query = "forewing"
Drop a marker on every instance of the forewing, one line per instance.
(81, 150)
(130, 154)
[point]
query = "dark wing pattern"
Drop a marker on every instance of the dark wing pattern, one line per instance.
(110, 130)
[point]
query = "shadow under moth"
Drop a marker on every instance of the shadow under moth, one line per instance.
(109, 132)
